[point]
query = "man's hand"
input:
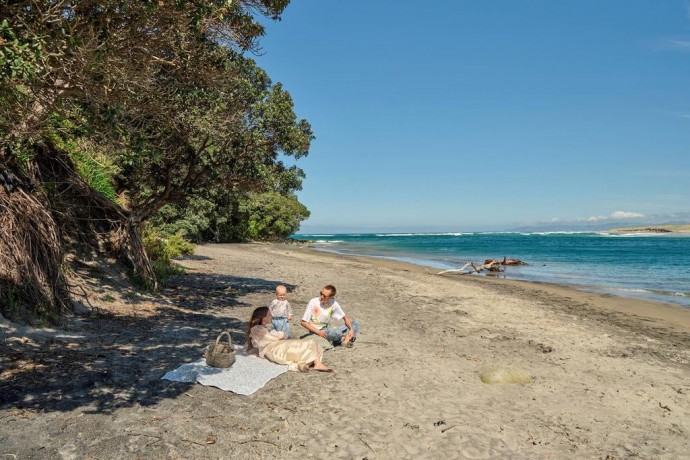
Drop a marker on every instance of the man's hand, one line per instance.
(313, 330)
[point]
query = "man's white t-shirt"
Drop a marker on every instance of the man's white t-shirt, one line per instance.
(319, 315)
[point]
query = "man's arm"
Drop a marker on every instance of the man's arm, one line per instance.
(311, 328)
(350, 334)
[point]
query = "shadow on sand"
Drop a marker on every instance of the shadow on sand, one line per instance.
(107, 361)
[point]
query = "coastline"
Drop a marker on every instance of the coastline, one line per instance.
(666, 314)
(662, 229)
(626, 265)
(602, 383)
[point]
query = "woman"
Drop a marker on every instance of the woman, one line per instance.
(297, 354)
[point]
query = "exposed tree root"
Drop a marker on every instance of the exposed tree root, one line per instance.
(89, 218)
(32, 283)
(37, 223)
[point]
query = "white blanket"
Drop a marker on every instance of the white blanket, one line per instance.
(244, 377)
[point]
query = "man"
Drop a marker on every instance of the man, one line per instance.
(319, 312)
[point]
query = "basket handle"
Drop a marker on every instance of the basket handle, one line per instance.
(229, 338)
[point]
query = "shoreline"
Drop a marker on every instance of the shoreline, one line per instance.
(670, 315)
(638, 274)
(611, 291)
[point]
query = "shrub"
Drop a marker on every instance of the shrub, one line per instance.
(162, 249)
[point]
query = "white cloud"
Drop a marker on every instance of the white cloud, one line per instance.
(625, 215)
(676, 114)
(679, 44)
(615, 215)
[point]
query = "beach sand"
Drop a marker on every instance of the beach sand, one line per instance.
(610, 377)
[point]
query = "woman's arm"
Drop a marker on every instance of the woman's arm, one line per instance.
(262, 336)
(280, 335)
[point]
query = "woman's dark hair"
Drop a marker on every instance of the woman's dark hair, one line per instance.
(257, 317)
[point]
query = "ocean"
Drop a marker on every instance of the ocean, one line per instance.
(639, 265)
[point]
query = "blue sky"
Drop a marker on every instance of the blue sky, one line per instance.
(484, 115)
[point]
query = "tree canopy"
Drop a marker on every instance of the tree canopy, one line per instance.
(114, 113)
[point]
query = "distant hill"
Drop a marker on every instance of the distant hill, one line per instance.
(680, 224)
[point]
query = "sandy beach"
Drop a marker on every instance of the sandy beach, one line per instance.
(610, 377)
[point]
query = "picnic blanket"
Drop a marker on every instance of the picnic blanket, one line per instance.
(244, 377)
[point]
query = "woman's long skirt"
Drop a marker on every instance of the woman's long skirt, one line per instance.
(293, 352)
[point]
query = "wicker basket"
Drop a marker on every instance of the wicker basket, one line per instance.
(220, 354)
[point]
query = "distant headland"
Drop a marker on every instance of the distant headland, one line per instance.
(682, 228)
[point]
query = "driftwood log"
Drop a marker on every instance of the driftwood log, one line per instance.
(472, 268)
(491, 265)
(505, 261)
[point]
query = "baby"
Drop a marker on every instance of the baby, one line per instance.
(281, 311)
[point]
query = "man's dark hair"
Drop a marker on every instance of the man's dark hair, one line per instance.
(331, 288)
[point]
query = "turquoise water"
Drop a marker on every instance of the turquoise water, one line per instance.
(649, 266)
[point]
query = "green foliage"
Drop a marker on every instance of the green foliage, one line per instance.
(164, 271)
(98, 175)
(178, 245)
(155, 103)
(165, 247)
(233, 216)
(23, 156)
(273, 216)
(162, 249)
(193, 219)
(20, 54)
(168, 115)
(94, 167)
(225, 134)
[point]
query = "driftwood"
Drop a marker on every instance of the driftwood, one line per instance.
(492, 265)
(458, 270)
(472, 269)
(505, 261)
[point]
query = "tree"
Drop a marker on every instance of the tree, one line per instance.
(228, 134)
(159, 89)
(274, 216)
(234, 214)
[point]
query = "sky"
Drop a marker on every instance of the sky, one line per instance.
(457, 115)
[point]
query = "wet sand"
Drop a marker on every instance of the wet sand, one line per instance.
(609, 376)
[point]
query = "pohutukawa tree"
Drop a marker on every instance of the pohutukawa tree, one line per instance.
(110, 110)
